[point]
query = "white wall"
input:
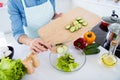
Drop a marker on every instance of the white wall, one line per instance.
(5, 25)
(100, 7)
(63, 5)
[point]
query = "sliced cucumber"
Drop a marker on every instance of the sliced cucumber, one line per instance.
(84, 23)
(75, 22)
(67, 27)
(62, 49)
(72, 29)
(79, 18)
(76, 27)
(80, 26)
(81, 21)
(71, 57)
(65, 48)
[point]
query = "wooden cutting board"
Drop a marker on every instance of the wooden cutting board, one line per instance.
(55, 32)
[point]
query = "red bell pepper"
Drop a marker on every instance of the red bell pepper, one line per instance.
(80, 43)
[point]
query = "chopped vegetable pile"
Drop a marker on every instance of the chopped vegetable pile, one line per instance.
(66, 63)
(76, 24)
(11, 69)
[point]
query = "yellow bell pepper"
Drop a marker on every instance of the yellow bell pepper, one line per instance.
(89, 37)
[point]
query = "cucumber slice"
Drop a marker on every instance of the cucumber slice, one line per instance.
(76, 27)
(81, 21)
(71, 57)
(67, 27)
(79, 18)
(75, 22)
(84, 23)
(60, 49)
(72, 29)
(65, 48)
(80, 26)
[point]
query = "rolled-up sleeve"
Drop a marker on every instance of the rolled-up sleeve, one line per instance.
(16, 19)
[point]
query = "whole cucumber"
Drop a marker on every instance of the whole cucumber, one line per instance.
(94, 45)
(91, 51)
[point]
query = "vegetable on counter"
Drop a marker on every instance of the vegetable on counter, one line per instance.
(11, 69)
(89, 37)
(80, 43)
(94, 45)
(92, 49)
(66, 63)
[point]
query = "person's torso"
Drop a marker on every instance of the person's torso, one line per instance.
(37, 16)
(18, 4)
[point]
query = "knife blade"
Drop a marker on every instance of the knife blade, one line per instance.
(61, 43)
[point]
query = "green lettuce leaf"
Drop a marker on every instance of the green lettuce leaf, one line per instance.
(11, 69)
(66, 63)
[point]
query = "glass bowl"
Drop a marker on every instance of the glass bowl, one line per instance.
(77, 54)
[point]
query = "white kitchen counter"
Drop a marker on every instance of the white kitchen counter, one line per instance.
(92, 70)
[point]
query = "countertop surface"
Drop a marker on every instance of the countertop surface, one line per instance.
(92, 70)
